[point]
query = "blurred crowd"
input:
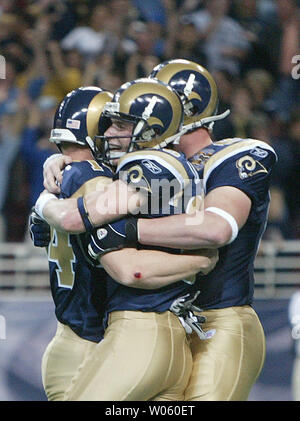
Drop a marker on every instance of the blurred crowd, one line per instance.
(53, 46)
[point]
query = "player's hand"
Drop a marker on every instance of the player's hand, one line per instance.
(212, 256)
(39, 230)
(53, 167)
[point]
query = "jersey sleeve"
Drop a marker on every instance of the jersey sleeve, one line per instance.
(80, 178)
(248, 170)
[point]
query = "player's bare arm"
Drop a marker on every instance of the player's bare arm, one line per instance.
(209, 228)
(55, 211)
(112, 202)
(151, 269)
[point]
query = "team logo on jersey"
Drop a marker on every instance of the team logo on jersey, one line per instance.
(200, 159)
(259, 152)
(151, 166)
(136, 176)
(248, 167)
(101, 233)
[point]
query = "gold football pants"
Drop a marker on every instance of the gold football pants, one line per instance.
(61, 360)
(226, 366)
(296, 379)
(143, 356)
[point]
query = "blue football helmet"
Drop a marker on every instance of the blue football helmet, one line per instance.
(196, 87)
(154, 108)
(77, 117)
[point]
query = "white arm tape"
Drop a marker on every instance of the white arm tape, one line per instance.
(229, 218)
(41, 202)
(55, 155)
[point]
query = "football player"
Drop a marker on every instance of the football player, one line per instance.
(96, 381)
(77, 292)
(236, 176)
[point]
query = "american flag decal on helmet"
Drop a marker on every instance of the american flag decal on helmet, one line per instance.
(73, 124)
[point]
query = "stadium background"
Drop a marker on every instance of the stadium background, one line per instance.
(52, 46)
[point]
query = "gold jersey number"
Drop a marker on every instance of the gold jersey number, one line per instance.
(60, 252)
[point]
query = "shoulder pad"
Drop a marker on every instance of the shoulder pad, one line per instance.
(158, 163)
(153, 154)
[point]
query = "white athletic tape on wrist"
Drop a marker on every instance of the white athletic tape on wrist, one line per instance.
(229, 218)
(55, 155)
(41, 202)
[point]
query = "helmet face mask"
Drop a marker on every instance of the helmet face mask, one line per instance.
(77, 117)
(154, 109)
(194, 84)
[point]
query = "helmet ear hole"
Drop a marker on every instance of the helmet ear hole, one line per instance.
(58, 124)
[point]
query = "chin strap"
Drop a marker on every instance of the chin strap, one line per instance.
(90, 143)
(204, 121)
(175, 139)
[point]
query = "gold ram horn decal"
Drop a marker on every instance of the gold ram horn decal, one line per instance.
(153, 120)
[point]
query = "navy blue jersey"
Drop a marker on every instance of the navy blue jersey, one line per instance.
(78, 288)
(165, 176)
(245, 164)
(147, 167)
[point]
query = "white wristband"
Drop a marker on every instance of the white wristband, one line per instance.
(55, 155)
(229, 218)
(41, 202)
